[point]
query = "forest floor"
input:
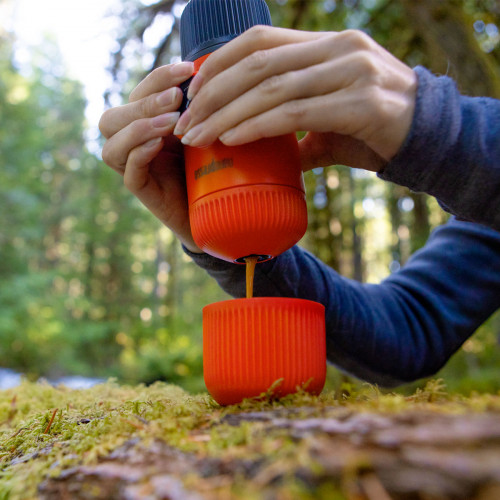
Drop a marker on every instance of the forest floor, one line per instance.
(158, 442)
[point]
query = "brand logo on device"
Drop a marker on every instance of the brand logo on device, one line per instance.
(212, 167)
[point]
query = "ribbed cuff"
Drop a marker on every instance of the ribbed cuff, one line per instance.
(420, 163)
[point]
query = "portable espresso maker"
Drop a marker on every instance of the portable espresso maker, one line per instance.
(249, 201)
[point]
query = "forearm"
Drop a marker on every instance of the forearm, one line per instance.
(452, 151)
(403, 329)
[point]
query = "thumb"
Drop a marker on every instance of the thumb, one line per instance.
(318, 149)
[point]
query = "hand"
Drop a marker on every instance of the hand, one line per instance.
(140, 146)
(353, 97)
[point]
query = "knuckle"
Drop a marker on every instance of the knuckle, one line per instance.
(272, 85)
(129, 177)
(367, 64)
(147, 106)
(328, 41)
(366, 61)
(129, 183)
(357, 39)
(259, 33)
(294, 111)
(257, 61)
(105, 119)
(106, 154)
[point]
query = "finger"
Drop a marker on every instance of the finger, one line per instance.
(155, 95)
(247, 72)
(317, 80)
(364, 114)
(353, 78)
(255, 39)
(250, 72)
(163, 198)
(261, 65)
(294, 86)
(116, 150)
(325, 149)
(136, 174)
(139, 181)
(115, 119)
(340, 112)
(162, 78)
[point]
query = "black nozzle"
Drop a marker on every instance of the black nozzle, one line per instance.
(206, 25)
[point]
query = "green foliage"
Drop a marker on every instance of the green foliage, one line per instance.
(475, 368)
(92, 284)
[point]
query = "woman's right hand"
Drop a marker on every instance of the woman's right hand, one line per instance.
(355, 99)
(140, 146)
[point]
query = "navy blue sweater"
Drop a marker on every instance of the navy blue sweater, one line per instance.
(452, 151)
(409, 325)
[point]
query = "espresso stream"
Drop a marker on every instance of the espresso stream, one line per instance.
(250, 262)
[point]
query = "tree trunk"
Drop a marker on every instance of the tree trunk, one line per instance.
(357, 246)
(420, 227)
(451, 47)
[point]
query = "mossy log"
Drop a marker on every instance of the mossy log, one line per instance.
(113, 442)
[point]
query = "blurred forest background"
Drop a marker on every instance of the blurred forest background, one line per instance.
(92, 284)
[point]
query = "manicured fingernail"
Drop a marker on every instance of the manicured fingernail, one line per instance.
(183, 69)
(182, 123)
(167, 97)
(165, 120)
(151, 144)
(194, 86)
(190, 138)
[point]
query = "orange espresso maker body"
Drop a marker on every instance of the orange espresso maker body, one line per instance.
(243, 200)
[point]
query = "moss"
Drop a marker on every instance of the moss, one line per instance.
(45, 429)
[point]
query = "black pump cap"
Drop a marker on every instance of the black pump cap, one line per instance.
(206, 25)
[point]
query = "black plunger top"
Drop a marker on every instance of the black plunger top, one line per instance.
(206, 25)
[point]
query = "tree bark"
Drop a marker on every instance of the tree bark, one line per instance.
(414, 454)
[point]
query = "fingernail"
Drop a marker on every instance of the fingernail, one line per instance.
(184, 69)
(182, 123)
(166, 98)
(194, 86)
(165, 120)
(190, 138)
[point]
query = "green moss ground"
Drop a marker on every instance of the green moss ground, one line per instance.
(45, 429)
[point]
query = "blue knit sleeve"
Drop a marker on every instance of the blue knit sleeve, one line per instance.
(404, 328)
(452, 151)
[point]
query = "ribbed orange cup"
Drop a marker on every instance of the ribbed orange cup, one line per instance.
(251, 344)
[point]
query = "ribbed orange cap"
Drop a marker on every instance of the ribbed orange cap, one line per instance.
(250, 344)
(260, 220)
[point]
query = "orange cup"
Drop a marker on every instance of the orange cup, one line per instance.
(253, 345)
